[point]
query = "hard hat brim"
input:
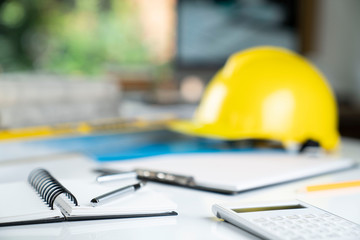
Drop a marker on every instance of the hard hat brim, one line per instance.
(208, 131)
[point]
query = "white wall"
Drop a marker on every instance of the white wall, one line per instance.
(338, 46)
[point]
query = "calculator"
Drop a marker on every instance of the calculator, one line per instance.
(293, 220)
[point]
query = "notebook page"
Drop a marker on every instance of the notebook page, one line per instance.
(20, 202)
(142, 201)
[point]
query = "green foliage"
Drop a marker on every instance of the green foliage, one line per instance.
(12, 13)
(73, 36)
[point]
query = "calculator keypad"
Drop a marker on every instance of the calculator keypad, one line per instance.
(309, 226)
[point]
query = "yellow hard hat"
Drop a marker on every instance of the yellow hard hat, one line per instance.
(267, 93)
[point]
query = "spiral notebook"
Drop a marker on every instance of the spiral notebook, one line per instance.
(43, 199)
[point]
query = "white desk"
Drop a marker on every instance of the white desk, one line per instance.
(195, 219)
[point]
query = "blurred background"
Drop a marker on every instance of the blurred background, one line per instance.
(79, 60)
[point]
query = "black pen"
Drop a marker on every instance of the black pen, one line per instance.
(115, 194)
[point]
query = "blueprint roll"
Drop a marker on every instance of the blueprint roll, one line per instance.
(48, 187)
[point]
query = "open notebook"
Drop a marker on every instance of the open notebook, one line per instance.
(44, 199)
(230, 173)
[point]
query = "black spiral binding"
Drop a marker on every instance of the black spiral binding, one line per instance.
(48, 187)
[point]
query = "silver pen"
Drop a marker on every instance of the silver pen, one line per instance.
(116, 194)
(116, 177)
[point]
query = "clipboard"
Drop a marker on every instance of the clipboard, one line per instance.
(230, 173)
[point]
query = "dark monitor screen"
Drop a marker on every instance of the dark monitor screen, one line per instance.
(211, 30)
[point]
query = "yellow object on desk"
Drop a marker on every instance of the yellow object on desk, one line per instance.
(333, 186)
(83, 128)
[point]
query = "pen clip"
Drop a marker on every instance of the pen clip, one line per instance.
(107, 171)
(165, 177)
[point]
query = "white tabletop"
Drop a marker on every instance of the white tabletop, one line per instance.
(195, 219)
